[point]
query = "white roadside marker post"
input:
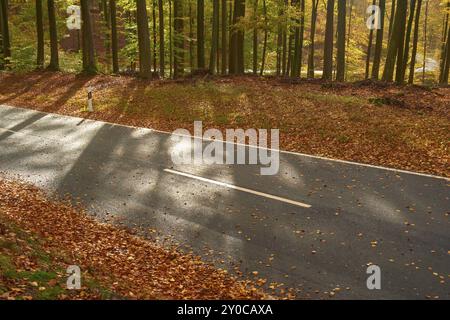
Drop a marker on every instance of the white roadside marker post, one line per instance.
(89, 102)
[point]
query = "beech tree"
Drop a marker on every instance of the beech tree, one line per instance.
(236, 54)
(54, 55)
(89, 66)
(340, 69)
(415, 43)
(379, 42)
(39, 35)
(200, 34)
(178, 39)
(315, 4)
(396, 43)
(143, 39)
(114, 40)
(329, 42)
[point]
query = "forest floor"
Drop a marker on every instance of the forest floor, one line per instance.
(40, 237)
(404, 127)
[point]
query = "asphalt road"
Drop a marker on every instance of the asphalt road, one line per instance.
(315, 226)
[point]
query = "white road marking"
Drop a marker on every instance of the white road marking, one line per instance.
(231, 186)
(250, 146)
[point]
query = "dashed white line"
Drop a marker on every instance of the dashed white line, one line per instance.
(231, 186)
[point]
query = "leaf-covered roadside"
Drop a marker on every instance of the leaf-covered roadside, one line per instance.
(127, 265)
(375, 123)
(30, 272)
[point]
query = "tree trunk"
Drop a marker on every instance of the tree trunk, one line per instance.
(415, 42)
(224, 37)
(191, 37)
(201, 34)
(425, 39)
(145, 65)
(396, 41)
(399, 75)
(155, 35)
(369, 49)
(263, 60)
(107, 41)
(315, 4)
(161, 39)
(114, 41)
(350, 18)
(237, 40)
(6, 45)
(407, 40)
(340, 63)
(391, 19)
(40, 35)
(214, 37)
(379, 42)
(279, 42)
(444, 37)
(298, 40)
(284, 63)
(89, 66)
(54, 58)
(178, 42)
(328, 45)
(170, 41)
(446, 67)
(255, 36)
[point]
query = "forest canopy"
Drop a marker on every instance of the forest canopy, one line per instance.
(343, 40)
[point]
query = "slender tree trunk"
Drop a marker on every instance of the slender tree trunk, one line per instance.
(263, 61)
(40, 35)
(391, 19)
(89, 66)
(155, 35)
(170, 41)
(145, 65)
(2, 62)
(114, 40)
(289, 55)
(399, 75)
(191, 37)
(6, 45)
(237, 39)
(295, 40)
(396, 41)
(240, 39)
(201, 34)
(446, 67)
(255, 36)
(444, 37)
(425, 39)
(328, 45)
(224, 37)
(315, 4)
(162, 65)
(412, 10)
(298, 42)
(286, 50)
(379, 42)
(178, 42)
(54, 58)
(369, 49)
(279, 41)
(415, 42)
(107, 24)
(340, 65)
(350, 18)
(214, 37)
